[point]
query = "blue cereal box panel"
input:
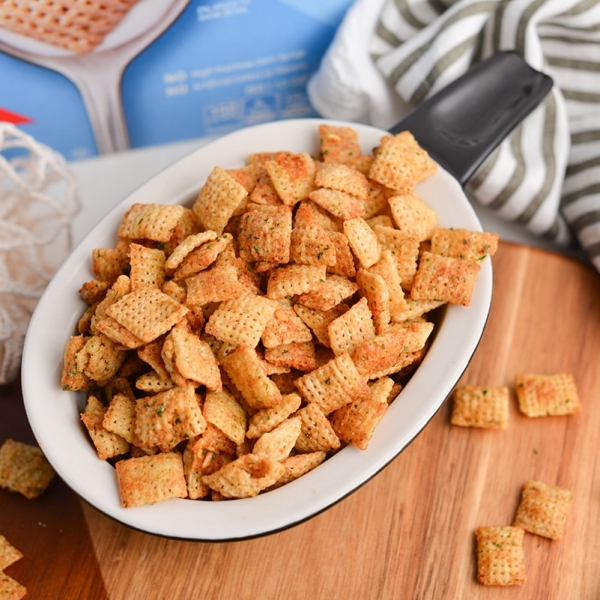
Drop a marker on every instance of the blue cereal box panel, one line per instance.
(160, 71)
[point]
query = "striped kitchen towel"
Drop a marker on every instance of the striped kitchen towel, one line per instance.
(390, 55)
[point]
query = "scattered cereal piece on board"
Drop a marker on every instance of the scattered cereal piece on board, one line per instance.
(543, 509)
(151, 479)
(500, 555)
(24, 469)
(8, 554)
(547, 395)
(480, 406)
(11, 589)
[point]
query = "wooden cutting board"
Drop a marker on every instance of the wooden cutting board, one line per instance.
(406, 534)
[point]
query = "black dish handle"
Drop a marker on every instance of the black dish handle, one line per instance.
(462, 124)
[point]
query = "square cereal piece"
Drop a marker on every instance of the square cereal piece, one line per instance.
(104, 358)
(311, 243)
(296, 355)
(24, 469)
(316, 432)
(151, 479)
(351, 329)
(480, 406)
(245, 477)
(465, 244)
(333, 384)
(400, 163)
(241, 321)
(547, 395)
(338, 176)
(279, 442)
(338, 144)
(147, 266)
(147, 312)
(218, 199)
(222, 410)
(338, 203)
(268, 418)
(119, 417)
(216, 284)
(355, 422)
(292, 280)
(264, 234)
(412, 216)
(380, 353)
(329, 293)
(543, 509)
(106, 443)
(500, 555)
(445, 278)
(110, 263)
(8, 554)
(194, 358)
(10, 589)
(154, 222)
(164, 420)
(248, 373)
(363, 241)
(292, 175)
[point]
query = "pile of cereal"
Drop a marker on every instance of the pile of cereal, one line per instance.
(233, 346)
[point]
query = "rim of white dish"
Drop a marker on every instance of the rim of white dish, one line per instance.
(54, 414)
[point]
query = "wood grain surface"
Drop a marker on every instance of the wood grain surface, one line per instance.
(407, 534)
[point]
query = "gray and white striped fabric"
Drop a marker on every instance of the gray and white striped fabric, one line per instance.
(546, 175)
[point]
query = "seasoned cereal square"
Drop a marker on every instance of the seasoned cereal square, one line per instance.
(241, 321)
(444, 278)
(480, 406)
(316, 432)
(465, 244)
(292, 175)
(151, 479)
(543, 509)
(218, 199)
(500, 555)
(412, 216)
(147, 312)
(338, 144)
(24, 469)
(338, 176)
(400, 163)
(547, 395)
(107, 443)
(8, 554)
(264, 234)
(10, 589)
(154, 222)
(355, 422)
(333, 384)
